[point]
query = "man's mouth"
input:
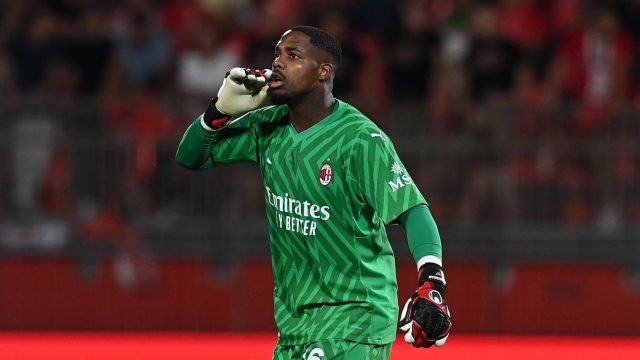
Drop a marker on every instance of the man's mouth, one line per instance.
(276, 80)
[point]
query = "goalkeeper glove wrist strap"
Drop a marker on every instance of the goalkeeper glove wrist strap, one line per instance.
(433, 273)
(213, 117)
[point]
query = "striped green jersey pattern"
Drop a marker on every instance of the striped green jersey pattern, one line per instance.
(329, 192)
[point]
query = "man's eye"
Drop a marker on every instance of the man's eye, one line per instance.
(294, 56)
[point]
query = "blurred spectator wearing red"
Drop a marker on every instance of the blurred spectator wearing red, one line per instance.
(593, 69)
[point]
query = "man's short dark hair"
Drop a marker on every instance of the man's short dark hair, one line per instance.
(324, 41)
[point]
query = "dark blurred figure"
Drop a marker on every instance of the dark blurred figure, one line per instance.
(493, 60)
(143, 51)
(92, 53)
(377, 17)
(413, 58)
(523, 22)
(32, 48)
(265, 33)
(335, 20)
(413, 61)
(489, 192)
(362, 78)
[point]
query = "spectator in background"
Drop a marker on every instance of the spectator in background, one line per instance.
(184, 20)
(265, 32)
(378, 17)
(11, 14)
(593, 69)
(491, 65)
(523, 22)
(492, 61)
(362, 65)
(414, 58)
(336, 22)
(31, 49)
(539, 75)
(92, 54)
(199, 69)
(143, 52)
(565, 17)
(413, 62)
(153, 124)
(455, 39)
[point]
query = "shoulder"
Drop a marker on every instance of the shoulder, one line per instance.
(268, 119)
(269, 113)
(361, 133)
(356, 123)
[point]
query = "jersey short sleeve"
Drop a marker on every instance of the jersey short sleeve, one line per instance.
(381, 178)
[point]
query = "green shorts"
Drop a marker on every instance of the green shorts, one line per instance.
(332, 350)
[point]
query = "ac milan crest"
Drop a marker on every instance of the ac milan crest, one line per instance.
(326, 173)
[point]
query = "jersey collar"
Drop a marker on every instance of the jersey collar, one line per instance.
(335, 114)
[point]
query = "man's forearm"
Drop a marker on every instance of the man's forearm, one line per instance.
(422, 234)
(194, 151)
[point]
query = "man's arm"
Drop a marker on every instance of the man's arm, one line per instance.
(212, 139)
(422, 235)
(194, 151)
(425, 317)
(386, 186)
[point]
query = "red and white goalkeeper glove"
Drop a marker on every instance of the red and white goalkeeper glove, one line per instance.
(243, 90)
(426, 316)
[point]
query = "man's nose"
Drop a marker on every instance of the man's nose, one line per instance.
(277, 64)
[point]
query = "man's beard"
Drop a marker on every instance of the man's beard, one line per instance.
(280, 98)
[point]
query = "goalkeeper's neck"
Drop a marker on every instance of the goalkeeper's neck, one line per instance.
(310, 109)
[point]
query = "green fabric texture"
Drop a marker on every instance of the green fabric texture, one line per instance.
(422, 232)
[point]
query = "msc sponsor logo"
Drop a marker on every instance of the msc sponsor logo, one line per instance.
(401, 180)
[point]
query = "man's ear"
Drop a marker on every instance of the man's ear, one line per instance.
(326, 69)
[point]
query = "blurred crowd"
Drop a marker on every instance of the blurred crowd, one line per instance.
(521, 109)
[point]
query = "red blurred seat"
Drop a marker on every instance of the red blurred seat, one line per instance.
(569, 298)
(254, 294)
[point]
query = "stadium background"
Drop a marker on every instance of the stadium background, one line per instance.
(518, 120)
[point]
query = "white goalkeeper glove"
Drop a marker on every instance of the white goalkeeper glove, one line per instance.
(243, 90)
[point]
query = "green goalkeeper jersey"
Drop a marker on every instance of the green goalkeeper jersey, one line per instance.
(329, 192)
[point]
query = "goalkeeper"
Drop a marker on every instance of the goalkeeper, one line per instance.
(332, 181)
